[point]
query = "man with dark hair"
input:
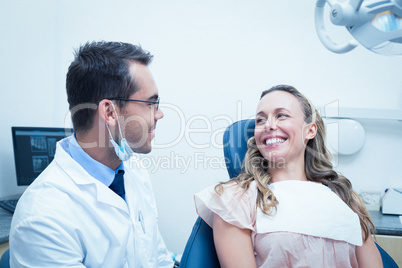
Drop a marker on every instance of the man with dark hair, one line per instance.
(93, 206)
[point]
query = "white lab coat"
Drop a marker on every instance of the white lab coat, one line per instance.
(68, 218)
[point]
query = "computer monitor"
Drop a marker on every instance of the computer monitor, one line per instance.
(34, 149)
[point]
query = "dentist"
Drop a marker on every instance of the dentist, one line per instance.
(93, 206)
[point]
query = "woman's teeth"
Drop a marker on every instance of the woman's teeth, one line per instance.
(274, 141)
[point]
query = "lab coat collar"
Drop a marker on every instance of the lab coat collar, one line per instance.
(82, 178)
(96, 169)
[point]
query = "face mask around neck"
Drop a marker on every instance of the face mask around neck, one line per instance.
(123, 151)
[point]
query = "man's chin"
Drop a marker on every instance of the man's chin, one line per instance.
(143, 150)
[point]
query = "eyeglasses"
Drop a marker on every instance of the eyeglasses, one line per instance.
(155, 103)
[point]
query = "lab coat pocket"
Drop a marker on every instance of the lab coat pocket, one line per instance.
(145, 225)
(146, 230)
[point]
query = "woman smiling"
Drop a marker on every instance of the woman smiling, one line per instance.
(288, 207)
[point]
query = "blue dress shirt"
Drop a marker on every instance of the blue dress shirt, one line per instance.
(96, 169)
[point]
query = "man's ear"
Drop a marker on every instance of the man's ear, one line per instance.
(311, 131)
(107, 112)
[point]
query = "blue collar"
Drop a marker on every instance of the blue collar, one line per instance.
(94, 168)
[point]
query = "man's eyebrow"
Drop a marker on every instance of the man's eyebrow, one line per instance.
(153, 97)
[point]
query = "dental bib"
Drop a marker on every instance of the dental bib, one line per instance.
(312, 209)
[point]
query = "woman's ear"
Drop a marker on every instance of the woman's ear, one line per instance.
(311, 131)
(107, 112)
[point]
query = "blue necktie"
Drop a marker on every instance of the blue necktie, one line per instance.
(117, 185)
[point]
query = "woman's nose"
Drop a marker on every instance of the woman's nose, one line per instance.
(271, 124)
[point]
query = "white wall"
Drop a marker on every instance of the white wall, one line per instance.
(212, 60)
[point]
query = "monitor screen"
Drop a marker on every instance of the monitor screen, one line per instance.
(34, 149)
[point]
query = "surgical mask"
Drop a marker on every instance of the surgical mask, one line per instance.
(123, 151)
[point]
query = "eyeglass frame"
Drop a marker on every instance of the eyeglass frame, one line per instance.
(126, 99)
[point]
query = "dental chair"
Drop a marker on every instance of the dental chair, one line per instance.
(200, 249)
(5, 259)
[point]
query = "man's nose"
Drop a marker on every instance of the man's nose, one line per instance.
(159, 114)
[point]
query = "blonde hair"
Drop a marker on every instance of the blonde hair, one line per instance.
(318, 167)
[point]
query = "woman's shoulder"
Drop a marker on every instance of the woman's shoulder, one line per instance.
(236, 188)
(230, 188)
(232, 202)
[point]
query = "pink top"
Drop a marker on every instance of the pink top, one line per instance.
(272, 249)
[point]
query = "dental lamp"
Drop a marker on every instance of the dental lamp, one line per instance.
(375, 24)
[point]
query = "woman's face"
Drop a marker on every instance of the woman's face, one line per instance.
(281, 133)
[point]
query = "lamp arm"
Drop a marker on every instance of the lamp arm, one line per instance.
(356, 4)
(322, 3)
(322, 32)
(375, 24)
(398, 3)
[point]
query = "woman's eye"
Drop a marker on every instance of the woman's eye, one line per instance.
(259, 120)
(282, 115)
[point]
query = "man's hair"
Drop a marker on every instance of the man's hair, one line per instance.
(100, 70)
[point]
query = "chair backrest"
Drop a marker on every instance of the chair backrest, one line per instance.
(235, 144)
(200, 249)
(387, 260)
(5, 259)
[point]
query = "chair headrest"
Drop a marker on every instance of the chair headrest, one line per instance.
(235, 144)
